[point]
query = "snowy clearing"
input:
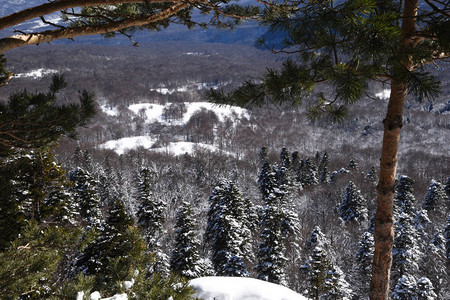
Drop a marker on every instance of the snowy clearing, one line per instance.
(109, 110)
(129, 143)
(181, 148)
(38, 73)
(241, 288)
(154, 112)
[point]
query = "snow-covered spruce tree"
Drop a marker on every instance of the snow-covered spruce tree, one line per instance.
(406, 253)
(435, 197)
(421, 220)
(323, 171)
(352, 165)
(271, 251)
(108, 189)
(372, 175)
(353, 206)
(226, 231)
(86, 196)
(316, 239)
(405, 289)
(336, 286)
(425, 290)
(404, 200)
(323, 280)
(151, 211)
(117, 253)
(363, 263)
(309, 173)
(185, 259)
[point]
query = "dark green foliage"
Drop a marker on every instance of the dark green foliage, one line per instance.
(308, 175)
(347, 44)
(185, 259)
(34, 187)
(323, 172)
(151, 211)
(435, 197)
(353, 206)
(227, 230)
(30, 262)
(405, 289)
(86, 196)
(162, 288)
(116, 253)
(404, 200)
(447, 239)
(33, 120)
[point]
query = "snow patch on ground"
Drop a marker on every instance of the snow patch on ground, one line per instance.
(154, 112)
(385, 94)
(123, 145)
(194, 86)
(38, 73)
(109, 110)
(181, 148)
(241, 288)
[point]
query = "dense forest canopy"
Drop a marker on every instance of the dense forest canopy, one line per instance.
(304, 214)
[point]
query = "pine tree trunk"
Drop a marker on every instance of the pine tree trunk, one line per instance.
(384, 220)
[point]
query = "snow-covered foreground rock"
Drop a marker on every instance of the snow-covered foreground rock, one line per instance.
(241, 288)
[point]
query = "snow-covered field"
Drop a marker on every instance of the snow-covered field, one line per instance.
(154, 113)
(38, 73)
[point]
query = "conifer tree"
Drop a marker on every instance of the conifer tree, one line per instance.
(353, 207)
(352, 165)
(447, 239)
(405, 289)
(151, 211)
(185, 259)
(309, 173)
(435, 197)
(86, 196)
(372, 175)
(324, 173)
(226, 230)
(406, 253)
(364, 256)
(323, 280)
(116, 253)
(425, 289)
(404, 199)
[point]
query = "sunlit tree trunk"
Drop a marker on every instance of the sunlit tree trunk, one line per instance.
(384, 220)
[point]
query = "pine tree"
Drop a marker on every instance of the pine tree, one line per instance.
(405, 289)
(336, 286)
(435, 197)
(86, 196)
(151, 211)
(353, 206)
(226, 230)
(185, 259)
(324, 173)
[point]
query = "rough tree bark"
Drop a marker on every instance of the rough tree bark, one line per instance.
(384, 219)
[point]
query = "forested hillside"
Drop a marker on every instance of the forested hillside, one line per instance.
(259, 192)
